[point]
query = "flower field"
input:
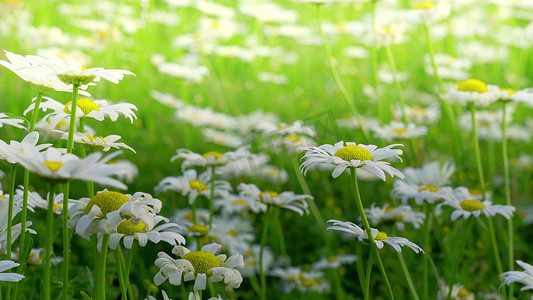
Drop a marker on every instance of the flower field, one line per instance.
(266, 149)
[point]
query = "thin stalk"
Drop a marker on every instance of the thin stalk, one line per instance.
(329, 56)
(408, 277)
(505, 155)
(279, 233)
(264, 234)
(359, 203)
(366, 293)
(397, 84)
(127, 269)
(476, 149)
(458, 257)
(24, 236)
(495, 247)
(212, 198)
(427, 250)
(121, 276)
(47, 265)
(70, 145)
(83, 153)
(359, 265)
(102, 272)
(446, 104)
(382, 104)
(10, 221)
(96, 265)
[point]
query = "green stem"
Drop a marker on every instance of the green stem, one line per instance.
(47, 266)
(427, 249)
(212, 198)
(359, 265)
(121, 268)
(366, 293)
(495, 248)
(433, 61)
(329, 56)
(476, 149)
(127, 269)
(10, 221)
(264, 233)
(361, 210)
(408, 277)
(279, 233)
(83, 152)
(397, 84)
(505, 155)
(96, 265)
(24, 236)
(382, 103)
(458, 257)
(102, 268)
(66, 239)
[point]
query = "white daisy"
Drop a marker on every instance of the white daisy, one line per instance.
(167, 99)
(459, 292)
(525, 277)
(97, 109)
(334, 262)
(466, 206)
(192, 185)
(472, 91)
(30, 139)
(367, 157)
(102, 213)
(209, 159)
(304, 281)
(71, 71)
(97, 143)
(10, 277)
(421, 115)
(288, 200)
(379, 237)
(55, 164)
(251, 260)
(129, 231)
(230, 204)
(399, 215)
(399, 131)
(199, 266)
(5, 119)
(429, 12)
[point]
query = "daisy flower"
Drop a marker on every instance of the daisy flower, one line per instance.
(97, 143)
(30, 139)
(304, 281)
(421, 115)
(97, 109)
(379, 237)
(230, 204)
(209, 159)
(102, 213)
(425, 184)
(199, 266)
(288, 200)
(39, 76)
(192, 184)
(167, 100)
(56, 165)
(35, 200)
(129, 231)
(465, 206)
(399, 131)
(396, 215)
(272, 174)
(10, 277)
(367, 157)
(334, 262)
(472, 91)
(459, 292)
(71, 71)
(525, 277)
(16, 228)
(5, 119)
(251, 260)
(429, 12)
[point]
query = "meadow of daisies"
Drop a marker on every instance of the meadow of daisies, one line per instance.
(266, 149)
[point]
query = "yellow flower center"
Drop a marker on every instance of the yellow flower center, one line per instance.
(400, 131)
(269, 193)
(128, 228)
(425, 5)
(199, 228)
(107, 201)
(202, 261)
(214, 154)
(430, 188)
(474, 192)
(396, 218)
(332, 259)
(351, 152)
(198, 185)
(463, 292)
(510, 92)
(57, 206)
(293, 138)
(53, 166)
(239, 202)
(419, 111)
(309, 282)
(381, 236)
(92, 138)
(473, 85)
(471, 205)
(84, 104)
